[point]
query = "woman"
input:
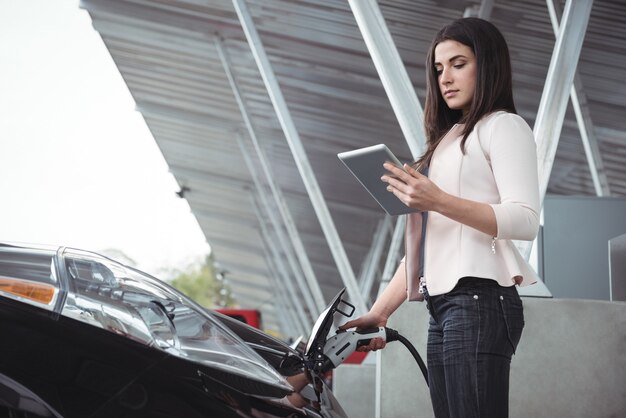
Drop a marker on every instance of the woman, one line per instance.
(480, 192)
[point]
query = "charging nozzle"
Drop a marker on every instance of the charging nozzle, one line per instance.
(324, 354)
(392, 334)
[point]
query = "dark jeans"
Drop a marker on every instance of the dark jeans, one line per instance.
(474, 330)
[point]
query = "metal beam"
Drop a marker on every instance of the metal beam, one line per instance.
(263, 201)
(392, 73)
(559, 80)
(313, 286)
(590, 142)
(391, 264)
(482, 10)
(374, 256)
(390, 267)
(304, 322)
(300, 156)
(583, 117)
(486, 6)
(553, 104)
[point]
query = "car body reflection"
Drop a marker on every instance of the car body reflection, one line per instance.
(85, 336)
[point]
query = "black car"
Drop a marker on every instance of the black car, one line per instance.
(84, 336)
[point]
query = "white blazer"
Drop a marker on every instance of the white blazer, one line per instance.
(499, 167)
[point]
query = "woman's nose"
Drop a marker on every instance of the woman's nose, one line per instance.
(445, 78)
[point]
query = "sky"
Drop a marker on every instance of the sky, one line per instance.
(78, 165)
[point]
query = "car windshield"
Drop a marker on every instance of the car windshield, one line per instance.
(127, 302)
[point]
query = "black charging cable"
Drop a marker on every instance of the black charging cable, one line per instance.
(393, 335)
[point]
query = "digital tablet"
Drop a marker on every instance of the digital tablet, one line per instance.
(367, 166)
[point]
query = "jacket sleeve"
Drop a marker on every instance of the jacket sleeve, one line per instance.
(513, 156)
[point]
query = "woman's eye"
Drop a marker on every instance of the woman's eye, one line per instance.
(438, 71)
(458, 66)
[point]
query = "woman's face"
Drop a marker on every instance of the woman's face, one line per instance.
(456, 74)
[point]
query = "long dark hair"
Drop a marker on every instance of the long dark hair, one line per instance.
(494, 86)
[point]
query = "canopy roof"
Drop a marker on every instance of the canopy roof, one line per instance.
(168, 53)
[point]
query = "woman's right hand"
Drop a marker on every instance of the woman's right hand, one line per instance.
(369, 320)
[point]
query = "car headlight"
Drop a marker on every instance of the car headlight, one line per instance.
(100, 292)
(29, 277)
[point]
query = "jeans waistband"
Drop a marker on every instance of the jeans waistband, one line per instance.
(468, 281)
(475, 282)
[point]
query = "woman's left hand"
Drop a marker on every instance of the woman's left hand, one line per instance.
(412, 188)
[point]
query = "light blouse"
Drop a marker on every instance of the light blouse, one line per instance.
(499, 167)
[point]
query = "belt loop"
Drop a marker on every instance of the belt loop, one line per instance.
(422, 286)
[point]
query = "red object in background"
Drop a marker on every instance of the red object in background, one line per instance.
(356, 357)
(251, 317)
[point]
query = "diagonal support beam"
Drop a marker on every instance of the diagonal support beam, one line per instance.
(304, 321)
(559, 81)
(313, 286)
(583, 117)
(482, 10)
(392, 73)
(390, 267)
(486, 6)
(590, 142)
(265, 204)
(300, 156)
(394, 253)
(374, 256)
(553, 104)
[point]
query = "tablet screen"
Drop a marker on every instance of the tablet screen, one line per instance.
(367, 166)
